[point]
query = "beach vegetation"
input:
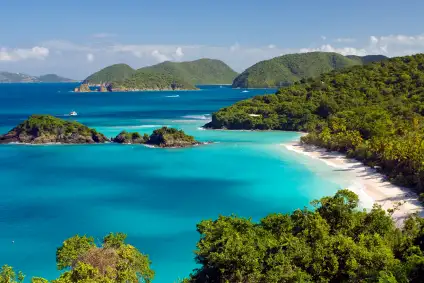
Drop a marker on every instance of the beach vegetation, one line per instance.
(373, 113)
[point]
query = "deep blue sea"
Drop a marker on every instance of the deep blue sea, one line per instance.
(157, 196)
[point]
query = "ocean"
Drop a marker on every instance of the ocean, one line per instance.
(156, 196)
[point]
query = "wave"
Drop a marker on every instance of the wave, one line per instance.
(365, 200)
(198, 117)
(173, 95)
(137, 126)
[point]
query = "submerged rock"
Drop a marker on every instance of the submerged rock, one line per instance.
(44, 129)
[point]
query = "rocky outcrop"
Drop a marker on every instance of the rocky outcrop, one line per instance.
(130, 138)
(82, 88)
(163, 137)
(170, 137)
(45, 129)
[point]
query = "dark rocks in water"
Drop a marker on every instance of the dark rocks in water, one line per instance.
(44, 129)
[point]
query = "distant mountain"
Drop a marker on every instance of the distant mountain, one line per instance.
(7, 77)
(151, 80)
(53, 78)
(289, 68)
(117, 72)
(166, 75)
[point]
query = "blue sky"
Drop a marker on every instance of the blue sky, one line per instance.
(75, 38)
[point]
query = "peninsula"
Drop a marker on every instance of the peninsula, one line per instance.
(372, 113)
(8, 77)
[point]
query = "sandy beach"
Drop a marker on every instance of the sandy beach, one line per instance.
(372, 184)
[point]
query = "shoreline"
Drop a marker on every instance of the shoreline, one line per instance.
(373, 185)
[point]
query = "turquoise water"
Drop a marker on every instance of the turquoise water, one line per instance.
(156, 196)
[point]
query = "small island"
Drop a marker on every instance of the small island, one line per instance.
(163, 137)
(45, 129)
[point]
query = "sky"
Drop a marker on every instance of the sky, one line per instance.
(74, 38)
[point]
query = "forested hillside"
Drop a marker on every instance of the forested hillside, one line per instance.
(373, 113)
(202, 71)
(287, 69)
(117, 72)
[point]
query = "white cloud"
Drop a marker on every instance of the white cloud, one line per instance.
(159, 56)
(345, 40)
(179, 54)
(19, 54)
(343, 50)
(73, 55)
(90, 57)
(103, 35)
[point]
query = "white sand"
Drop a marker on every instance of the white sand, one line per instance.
(373, 184)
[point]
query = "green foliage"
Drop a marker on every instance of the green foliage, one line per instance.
(291, 68)
(336, 242)
(202, 71)
(130, 138)
(39, 280)
(152, 80)
(170, 137)
(8, 275)
(112, 73)
(373, 113)
(114, 261)
(68, 254)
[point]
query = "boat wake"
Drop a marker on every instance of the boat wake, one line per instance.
(137, 126)
(173, 96)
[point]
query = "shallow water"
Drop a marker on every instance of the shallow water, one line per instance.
(156, 196)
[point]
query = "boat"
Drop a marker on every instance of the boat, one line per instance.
(73, 113)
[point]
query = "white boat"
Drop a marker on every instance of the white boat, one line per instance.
(73, 113)
(245, 91)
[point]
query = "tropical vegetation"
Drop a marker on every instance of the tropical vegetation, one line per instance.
(333, 242)
(373, 113)
(116, 72)
(48, 129)
(287, 69)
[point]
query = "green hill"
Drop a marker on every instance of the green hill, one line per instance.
(373, 113)
(202, 71)
(185, 74)
(286, 69)
(112, 73)
(150, 80)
